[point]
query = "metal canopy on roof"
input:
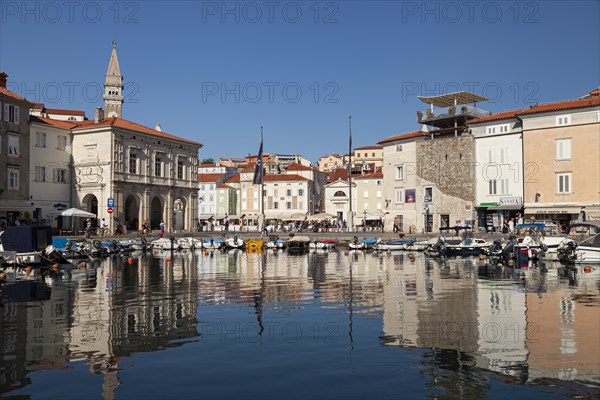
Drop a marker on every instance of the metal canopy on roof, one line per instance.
(451, 99)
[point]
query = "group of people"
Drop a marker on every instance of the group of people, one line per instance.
(508, 225)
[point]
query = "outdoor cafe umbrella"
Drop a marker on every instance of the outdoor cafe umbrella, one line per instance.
(76, 212)
(321, 216)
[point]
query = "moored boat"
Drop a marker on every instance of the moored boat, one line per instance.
(254, 245)
(234, 243)
(325, 244)
(213, 243)
(401, 244)
(298, 244)
(364, 244)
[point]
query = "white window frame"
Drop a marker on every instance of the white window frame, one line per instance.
(398, 147)
(288, 205)
(366, 206)
(504, 186)
(300, 192)
(400, 172)
(60, 175)
(564, 181)
(492, 187)
(61, 146)
(276, 205)
(490, 130)
(11, 113)
(40, 139)
(379, 206)
(562, 120)
(12, 177)
(180, 169)
(400, 198)
(428, 188)
(158, 165)
(132, 157)
(366, 194)
(504, 128)
(13, 148)
(563, 149)
(378, 194)
(40, 173)
(288, 192)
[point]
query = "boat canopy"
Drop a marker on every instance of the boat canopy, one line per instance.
(26, 239)
(538, 225)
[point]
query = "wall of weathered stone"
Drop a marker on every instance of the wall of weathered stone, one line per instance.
(448, 162)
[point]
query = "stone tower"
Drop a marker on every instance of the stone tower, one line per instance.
(113, 86)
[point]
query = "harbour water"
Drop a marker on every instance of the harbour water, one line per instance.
(321, 325)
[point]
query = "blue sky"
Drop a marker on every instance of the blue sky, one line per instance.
(216, 71)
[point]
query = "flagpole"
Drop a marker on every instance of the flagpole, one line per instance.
(351, 214)
(262, 187)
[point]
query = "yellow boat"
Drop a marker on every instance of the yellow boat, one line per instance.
(254, 246)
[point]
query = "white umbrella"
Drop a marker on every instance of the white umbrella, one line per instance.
(321, 216)
(76, 212)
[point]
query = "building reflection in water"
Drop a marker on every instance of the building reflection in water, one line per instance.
(468, 316)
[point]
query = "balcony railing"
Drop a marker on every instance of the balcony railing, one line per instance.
(451, 112)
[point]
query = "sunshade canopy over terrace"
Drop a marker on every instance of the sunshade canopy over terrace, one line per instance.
(452, 99)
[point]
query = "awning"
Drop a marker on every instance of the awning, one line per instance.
(553, 210)
(205, 216)
(506, 207)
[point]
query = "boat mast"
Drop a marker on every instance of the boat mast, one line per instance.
(351, 214)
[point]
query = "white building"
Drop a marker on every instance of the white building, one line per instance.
(337, 199)
(50, 163)
(498, 168)
(401, 182)
(210, 176)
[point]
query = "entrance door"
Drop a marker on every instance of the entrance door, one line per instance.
(340, 215)
(428, 223)
(400, 221)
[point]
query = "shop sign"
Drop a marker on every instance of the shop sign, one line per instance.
(510, 201)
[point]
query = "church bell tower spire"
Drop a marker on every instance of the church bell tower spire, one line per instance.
(113, 86)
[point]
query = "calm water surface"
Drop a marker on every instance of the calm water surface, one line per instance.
(322, 325)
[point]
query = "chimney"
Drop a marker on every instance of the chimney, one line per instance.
(98, 115)
(157, 128)
(3, 77)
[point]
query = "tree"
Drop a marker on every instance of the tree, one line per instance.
(208, 161)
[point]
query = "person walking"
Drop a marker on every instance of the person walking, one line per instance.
(511, 225)
(396, 230)
(88, 229)
(162, 228)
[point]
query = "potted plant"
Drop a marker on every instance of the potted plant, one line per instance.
(429, 113)
(452, 110)
(419, 115)
(463, 109)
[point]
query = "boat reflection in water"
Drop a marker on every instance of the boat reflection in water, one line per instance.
(350, 323)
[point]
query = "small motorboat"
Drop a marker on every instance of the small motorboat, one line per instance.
(298, 244)
(467, 247)
(213, 243)
(234, 243)
(276, 243)
(364, 244)
(163, 244)
(586, 251)
(401, 244)
(189, 243)
(326, 244)
(254, 245)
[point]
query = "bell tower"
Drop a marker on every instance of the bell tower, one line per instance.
(113, 86)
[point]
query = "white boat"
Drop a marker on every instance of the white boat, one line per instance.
(276, 243)
(163, 244)
(401, 244)
(326, 244)
(213, 243)
(189, 243)
(234, 243)
(298, 244)
(587, 251)
(469, 246)
(364, 244)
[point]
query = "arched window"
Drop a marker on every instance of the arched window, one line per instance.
(339, 193)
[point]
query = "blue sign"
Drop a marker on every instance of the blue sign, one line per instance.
(427, 199)
(111, 202)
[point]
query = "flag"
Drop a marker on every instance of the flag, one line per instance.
(258, 168)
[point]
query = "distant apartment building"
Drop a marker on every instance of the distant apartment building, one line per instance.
(368, 156)
(330, 162)
(210, 176)
(370, 200)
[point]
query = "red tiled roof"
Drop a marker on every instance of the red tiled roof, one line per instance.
(53, 122)
(370, 175)
(209, 177)
(61, 111)
(207, 165)
(563, 105)
(372, 147)
(298, 167)
(495, 117)
(38, 106)
(234, 179)
(125, 124)
(8, 93)
(223, 186)
(284, 177)
(403, 136)
(556, 106)
(340, 173)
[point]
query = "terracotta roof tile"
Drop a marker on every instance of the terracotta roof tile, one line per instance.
(53, 122)
(298, 167)
(8, 93)
(125, 124)
(371, 147)
(498, 116)
(370, 175)
(209, 177)
(403, 136)
(234, 179)
(284, 177)
(61, 111)
(563, 105)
